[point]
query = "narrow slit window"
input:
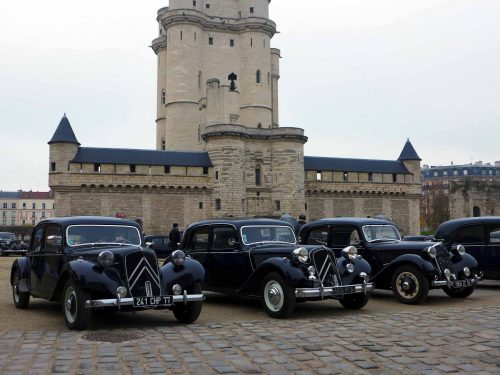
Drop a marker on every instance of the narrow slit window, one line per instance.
(257, 76)
(210, 40)
(257, 176)
(231, 42)
(218, 204)
(52, 167)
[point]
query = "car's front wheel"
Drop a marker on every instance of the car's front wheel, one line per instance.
(459, 293)
(276, 296)
(354, 301)
(189, 312)
(409, 285)
(76, 316)
(21, 299)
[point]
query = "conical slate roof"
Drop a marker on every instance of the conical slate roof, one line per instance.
(408, 152)
(64, 133)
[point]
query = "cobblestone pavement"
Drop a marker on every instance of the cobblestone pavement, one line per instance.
(455, 340)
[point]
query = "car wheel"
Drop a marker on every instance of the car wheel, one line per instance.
(354, 301)
(189, 312)
(409, 285)
(76, 316)
(277, 298)
(459, 293)
(21, 299)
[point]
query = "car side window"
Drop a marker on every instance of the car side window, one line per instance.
(318, 236)
(37, 241)
(157, 241)
(472, 234)
(494, 234)
(224, 238)
(53, 239)
(199, 239)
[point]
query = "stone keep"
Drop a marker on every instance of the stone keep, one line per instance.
(220, 150)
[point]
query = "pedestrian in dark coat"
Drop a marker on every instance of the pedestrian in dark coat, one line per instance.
(300, 223)
(174, 236)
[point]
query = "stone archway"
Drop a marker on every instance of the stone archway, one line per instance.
(476, 211)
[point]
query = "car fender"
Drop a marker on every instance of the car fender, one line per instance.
(91, 277)
(466, 260)
(289, 270)
(360, 265)
(384, 276)
(23, 265)
(190, 273)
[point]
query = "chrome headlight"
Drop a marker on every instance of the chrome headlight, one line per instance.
(178, 257)
(432, 252)
(460, 249)
(350, 252)
(301, 254)
(121, 291)
(106, 258)
(349, 267)
(447, 273)
(466, 271)
(176, 289)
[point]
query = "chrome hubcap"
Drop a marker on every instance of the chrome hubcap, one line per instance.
(70, 304)
(407, 285)
(273, 295)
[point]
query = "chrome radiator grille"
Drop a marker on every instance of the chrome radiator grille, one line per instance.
(326, 267)
(443, 259)
(142, 274)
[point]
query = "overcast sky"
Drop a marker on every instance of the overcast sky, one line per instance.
(360, 76)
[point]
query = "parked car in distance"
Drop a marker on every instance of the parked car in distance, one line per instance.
(86, 263)
(159, 243)
(481, 238)
(409, 268)
(260, 258)
(10, 245)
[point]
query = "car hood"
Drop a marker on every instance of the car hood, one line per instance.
(117, 250)
(401, 245)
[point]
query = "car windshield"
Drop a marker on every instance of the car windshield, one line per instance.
(381, 233)
(77, 235)
(265, 233)
(7, 236)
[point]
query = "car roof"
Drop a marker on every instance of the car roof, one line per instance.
(89, 220)
(350, 221)
(241, 222)
(449, 226)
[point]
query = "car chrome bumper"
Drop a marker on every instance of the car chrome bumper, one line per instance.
(331, 291)
(453, 283)
(117, 302)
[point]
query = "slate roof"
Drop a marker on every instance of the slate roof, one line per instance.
(354, 165)
(141, 157)
(37, 195)
(9, 194)
(408, 152)
(64, 133)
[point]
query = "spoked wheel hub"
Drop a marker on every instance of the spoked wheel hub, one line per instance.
(407, 284)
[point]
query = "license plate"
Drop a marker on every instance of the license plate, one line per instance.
(152, 301)
(461, 283)
(344, 290)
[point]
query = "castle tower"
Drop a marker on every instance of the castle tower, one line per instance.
(200, 40)
(63, 148)
(411, 160)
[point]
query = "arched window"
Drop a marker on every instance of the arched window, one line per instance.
(163, 97)
(476, 211)
(259, 125)
(257, 176)
(257, 76)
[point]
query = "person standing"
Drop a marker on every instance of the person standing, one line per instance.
(300, 223)
(174, 236)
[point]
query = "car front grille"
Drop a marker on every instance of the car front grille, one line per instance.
(326, 267)
(142, 274)
(443, 259)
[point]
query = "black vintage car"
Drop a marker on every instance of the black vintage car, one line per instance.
(86, 263)
(9, 244)
(159, 243)
(409, 268)
(481, 238)
(260, 258)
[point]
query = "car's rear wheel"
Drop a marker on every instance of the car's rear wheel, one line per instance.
(21, 299)
(459, 293)
(76, 316)
(189, 312)
(409, 285)
(354, 301)
(276, 296)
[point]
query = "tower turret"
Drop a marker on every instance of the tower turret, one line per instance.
(411, 160)
(63, 148)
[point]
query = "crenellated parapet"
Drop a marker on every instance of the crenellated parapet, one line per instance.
(239, 131)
